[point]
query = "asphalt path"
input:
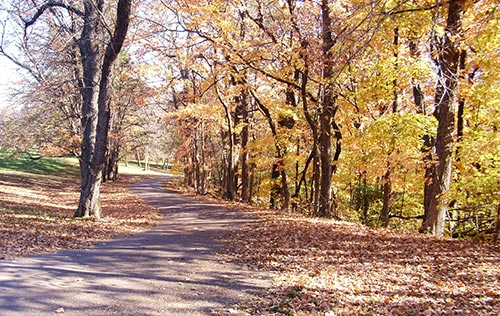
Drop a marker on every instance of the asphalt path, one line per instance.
(172, 269)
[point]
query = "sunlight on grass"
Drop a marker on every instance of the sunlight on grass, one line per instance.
(44, 165)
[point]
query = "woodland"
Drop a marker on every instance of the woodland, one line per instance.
(363, 135)
(382, 113)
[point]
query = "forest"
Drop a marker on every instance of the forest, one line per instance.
(383, 113)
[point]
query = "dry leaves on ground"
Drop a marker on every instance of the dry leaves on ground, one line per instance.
(336, 268)
(36, 213)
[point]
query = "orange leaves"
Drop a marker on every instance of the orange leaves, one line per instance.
(336, 268)
(36, 214)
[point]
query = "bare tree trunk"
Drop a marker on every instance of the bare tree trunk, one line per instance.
(387, 184)
(328, 109)
(229, 178)
(448, 55)
(203, 182)
(138, 157)
(365, 200)
(245, 155)
(427, 149)
(497, 227)
(242, 118)
(387, 192)
(146, 159)
(316, 175)
(91, 61)
(96, 99)
(275, 187)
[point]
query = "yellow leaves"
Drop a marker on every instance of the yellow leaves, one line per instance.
(238, 128)
(200, 110)
(395, 138)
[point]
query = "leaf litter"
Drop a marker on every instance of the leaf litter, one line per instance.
(36, 214)
(322, 267)
(327, 267)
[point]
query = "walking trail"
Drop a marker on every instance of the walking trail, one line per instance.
(170, 270)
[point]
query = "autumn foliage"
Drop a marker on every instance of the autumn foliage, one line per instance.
(382, 113)
(379, 113)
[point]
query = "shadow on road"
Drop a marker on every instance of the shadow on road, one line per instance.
(171, 270)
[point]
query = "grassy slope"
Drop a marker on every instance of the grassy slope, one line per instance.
(67, 166)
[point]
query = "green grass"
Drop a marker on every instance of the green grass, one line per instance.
(152, 165)
(44, 165)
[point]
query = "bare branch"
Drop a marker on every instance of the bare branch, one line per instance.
(48, 5)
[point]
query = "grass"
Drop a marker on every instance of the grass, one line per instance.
(153, 166)
(45, 165)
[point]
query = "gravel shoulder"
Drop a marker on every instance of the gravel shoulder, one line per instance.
(172, 269)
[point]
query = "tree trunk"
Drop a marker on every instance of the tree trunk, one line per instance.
(328, 109)
(316, 179)
(365, 200)
(203, 182)
(461, 105)
(325, 155)
(138, 157)
(245, 155)
(275, 187)
(387, 184)
(91, 59)
(196, 162)
(242, 118)
(146, 159)
(395, 42)
(229, 173)
(110, 170)
(497, 227)
(316, 174)
(97, 67)
(387, 192)
(448, 55)
(427, 149)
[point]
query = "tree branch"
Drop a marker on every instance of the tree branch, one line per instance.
(432, 7)
(48, 5)
(122, 23)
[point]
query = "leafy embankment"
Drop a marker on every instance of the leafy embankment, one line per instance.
(335, 268)
(36, 213)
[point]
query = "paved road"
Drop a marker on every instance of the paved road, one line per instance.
(170, 270)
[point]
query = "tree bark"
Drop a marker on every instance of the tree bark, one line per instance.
(448, 55)
(97, 65)
(387, 184)
(229, 173)
(91, 56)
(461, 104)
(316, 175)
(497, 227)
(328, 110)
(242, 118)
(387, 192)
(427, 149)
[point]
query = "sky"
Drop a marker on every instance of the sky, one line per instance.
(8, 77)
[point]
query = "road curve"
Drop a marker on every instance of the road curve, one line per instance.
(170, 270)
